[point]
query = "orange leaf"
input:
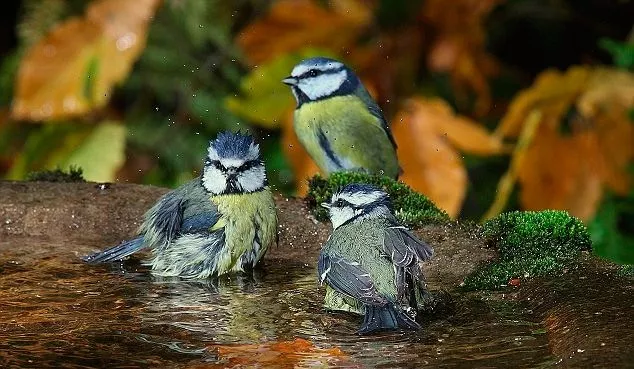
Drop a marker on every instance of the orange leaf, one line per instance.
(569, 172)
(74, 68)
(430, 165)
(464, 134)
(460, 46)
(552, 178)
(428, 134)
(303, 166)
(294, 24)
(281, 355)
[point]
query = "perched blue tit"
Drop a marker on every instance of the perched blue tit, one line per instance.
(338, 122)
(221, 222)
(371, 263)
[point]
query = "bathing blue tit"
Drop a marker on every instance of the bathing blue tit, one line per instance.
(221, 222)
(338, 122)
(371, 263)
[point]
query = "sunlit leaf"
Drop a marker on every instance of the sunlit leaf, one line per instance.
(585, 141)
(280, 355)
(264, 99)
(101, 154)
(424, 132)
(291, 25)
(74, 68)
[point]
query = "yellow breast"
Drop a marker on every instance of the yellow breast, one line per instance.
(244, 217)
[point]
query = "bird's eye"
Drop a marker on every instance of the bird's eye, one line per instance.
(216, 163)
(314, 72)
(340, 203)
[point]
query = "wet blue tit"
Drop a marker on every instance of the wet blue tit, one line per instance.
(338, 122)
(221, 222)
(371, 264)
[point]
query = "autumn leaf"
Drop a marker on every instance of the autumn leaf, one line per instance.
(459, 47)
(291, 25)
(280, 355)
(74, 68)
(568, 170)
(428, 135)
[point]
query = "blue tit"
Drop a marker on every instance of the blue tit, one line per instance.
(371, 263)
(221, 222)
(338, 122)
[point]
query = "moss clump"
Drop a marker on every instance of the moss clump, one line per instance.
(74, 174)
(410, 207)
(530, 244)
(626, 271)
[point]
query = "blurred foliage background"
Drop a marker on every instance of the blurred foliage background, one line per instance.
(496, 105)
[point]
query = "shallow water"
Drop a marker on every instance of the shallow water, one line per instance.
(56, 311)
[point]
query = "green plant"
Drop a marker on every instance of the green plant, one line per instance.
(529, 244)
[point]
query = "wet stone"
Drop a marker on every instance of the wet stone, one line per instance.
(55, 310)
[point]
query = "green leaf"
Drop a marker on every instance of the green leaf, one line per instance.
(622, 52)
(101, 154)
(264, 98)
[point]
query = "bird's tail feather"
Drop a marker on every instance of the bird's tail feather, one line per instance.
(385, 317)
(115, 253)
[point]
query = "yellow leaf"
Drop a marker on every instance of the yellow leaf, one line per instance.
(552, 93)
(568, 167)
(101, 154)
(291, 25)
(264, 98)
(74, 68)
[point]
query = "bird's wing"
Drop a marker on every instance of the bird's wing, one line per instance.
(200, 222)
(349, 278)
(374, 108)
(165, 218)
(404, 248)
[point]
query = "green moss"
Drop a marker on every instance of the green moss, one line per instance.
(74, 174)
(410, 207)
(529, 244)
(626, 271)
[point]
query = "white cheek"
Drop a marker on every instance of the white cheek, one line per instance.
(252, 179)
(338, 216)
(214, 180)
(323, 85)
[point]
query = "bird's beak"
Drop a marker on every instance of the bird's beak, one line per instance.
(325, 205)
(291, 81)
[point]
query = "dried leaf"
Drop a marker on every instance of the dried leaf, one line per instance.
(569, 184)
(292, 25)
(74, 68)
(593, 104)
(430, 165)
(281, 355)
(459, 47)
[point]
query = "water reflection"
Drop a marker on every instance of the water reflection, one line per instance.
(57, 310)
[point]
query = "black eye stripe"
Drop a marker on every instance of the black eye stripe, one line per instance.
(316, 72)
